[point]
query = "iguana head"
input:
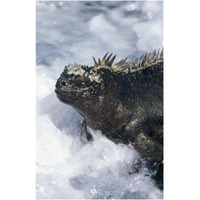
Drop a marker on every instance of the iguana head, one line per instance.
(80, 83)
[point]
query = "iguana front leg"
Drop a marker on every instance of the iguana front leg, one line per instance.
(85, 134)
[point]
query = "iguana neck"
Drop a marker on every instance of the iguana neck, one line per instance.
(107, 114)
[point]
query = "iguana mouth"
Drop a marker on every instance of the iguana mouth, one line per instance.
(63, 96)
(60, 92)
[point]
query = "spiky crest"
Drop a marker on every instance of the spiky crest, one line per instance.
(105, 61)
(146, 60)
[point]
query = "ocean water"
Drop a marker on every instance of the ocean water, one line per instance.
(68, 166)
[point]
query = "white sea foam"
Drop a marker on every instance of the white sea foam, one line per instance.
(68, 166)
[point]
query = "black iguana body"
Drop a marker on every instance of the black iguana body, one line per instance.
(123, 100)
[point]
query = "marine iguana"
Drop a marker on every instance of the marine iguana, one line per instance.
(123, 100)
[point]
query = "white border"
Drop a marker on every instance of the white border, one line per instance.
(17, 82)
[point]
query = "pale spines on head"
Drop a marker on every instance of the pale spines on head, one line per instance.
(107, 62)
(95, 62)
(74, 69)
(99, 61)
(141, 60)
(104, 58)
(111, 61)
(121, 66)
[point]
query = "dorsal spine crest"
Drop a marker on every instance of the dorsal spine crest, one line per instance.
(146, 60)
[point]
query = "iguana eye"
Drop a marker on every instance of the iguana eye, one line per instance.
(63, 83)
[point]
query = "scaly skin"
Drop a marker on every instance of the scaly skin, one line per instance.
(123, 100)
